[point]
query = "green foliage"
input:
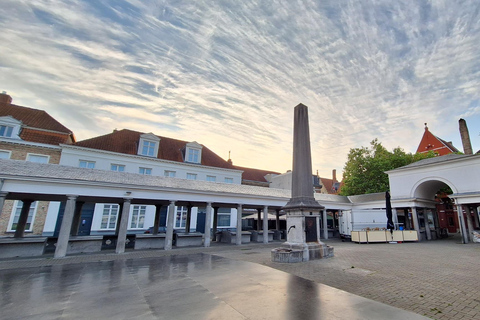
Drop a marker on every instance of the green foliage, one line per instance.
(364, 171)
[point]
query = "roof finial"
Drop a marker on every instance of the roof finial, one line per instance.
(426, 128)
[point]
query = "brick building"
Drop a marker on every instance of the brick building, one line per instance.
(28, 134)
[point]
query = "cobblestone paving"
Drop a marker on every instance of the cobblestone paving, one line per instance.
(438, 279)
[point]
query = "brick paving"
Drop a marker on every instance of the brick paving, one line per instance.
(438, 279)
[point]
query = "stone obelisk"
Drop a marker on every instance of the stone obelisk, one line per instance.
(303, 211)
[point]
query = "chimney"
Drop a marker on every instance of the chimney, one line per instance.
(5, 98)
(467, 145)
(334, 175)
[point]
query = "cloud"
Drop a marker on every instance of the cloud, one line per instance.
(228, 74)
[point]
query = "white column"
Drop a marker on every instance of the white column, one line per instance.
(3, 196)
(469, 223)
(122, 230)
(428, 232)
(170, 220)
(156, 222)
(208, 223)
(324, 221)
(265, 224)
(461, 222)
(415, 221)
(238, 240)
(65, 227)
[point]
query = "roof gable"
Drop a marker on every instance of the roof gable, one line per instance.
(430, 142)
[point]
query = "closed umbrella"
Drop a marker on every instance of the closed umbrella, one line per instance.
(390, 224)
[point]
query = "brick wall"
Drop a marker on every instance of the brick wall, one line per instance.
(20, 152)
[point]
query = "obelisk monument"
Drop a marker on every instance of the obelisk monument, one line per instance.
(302, 211)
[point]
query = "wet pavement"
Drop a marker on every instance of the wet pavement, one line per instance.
(193, 286)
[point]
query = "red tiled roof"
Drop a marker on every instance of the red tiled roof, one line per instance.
(32, 117)
(254, 174)
(46, 137)
(37, 119)
(329, 184)
(126, 141)
(431, 142)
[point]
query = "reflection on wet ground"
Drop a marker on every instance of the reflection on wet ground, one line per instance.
(197, 286)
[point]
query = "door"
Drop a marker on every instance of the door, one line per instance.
(86, 219)
(311, 229)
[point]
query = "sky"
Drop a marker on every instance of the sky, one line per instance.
(229, 73)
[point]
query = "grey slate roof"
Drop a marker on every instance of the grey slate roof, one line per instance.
(61, 172)
(379, 196)
(447, 157)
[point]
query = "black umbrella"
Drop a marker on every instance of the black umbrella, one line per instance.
(390, 224)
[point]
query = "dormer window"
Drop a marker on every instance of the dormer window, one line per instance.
(6, 131)
(193, 152)
(9, 127)
(148, 145)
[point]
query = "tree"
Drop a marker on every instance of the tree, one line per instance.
(364, 171)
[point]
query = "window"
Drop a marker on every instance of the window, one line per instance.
(191, 176)
(170, 174)
(17, 209)
(117, 167)
(228, 180)
(148, 145)
(211, 178)
(193, 155)
(146, 171)
(109, 216)
(5, 154)
(6, 131)
(223, 217)
(87, 164)
(39, 158)
(181, 217)
(138, 217)
(193, 152)
(148, 148)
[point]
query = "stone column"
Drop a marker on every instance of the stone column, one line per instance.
(122, 230)
(238, 240)
(477, 219)
(65, 227)
(156, 222)
(469, 224)
(428, 232)
(215, 222)
(416, 226)
(170, 221)
(22, 220)
(3, 196)
(208, 223)
(265, 224)
(277, 219)
(259, 218)
(119, 218)
(77, 218)
(325, 225)
(189, 218)
(461, 223)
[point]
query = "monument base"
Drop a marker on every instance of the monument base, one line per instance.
(301, 252)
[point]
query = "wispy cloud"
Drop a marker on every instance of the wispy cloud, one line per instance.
(228, 74)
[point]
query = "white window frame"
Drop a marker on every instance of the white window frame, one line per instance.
(32, 155)
(6, 152)
(87, 164)
(170, 173)
(181, 217)
(6, 131)
(153, 143)
(222, 212)
(193, 152)
(211, 178)
(10, 122)
(116, 167)
(137, 217)
(228, 180)
(17, 205)
(191, 176)
(109, 208)
(146, 171)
